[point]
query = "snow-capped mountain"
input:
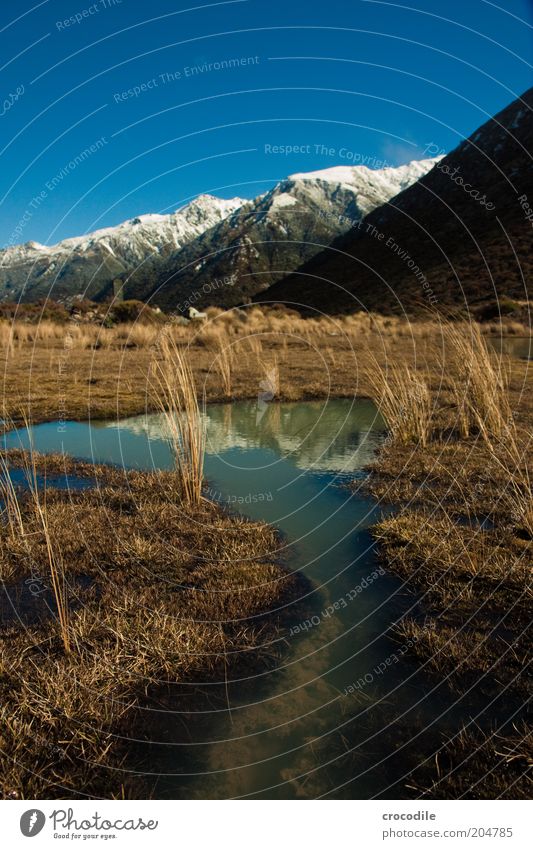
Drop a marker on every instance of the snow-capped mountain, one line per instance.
(270, 236)
(371, 187)
(167, 258)
(89, 264)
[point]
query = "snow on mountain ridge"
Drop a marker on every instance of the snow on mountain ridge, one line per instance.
(206, 209)
(350, 174)
(96, 262)
(370, 187)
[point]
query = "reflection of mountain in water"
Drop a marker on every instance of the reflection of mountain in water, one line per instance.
(336, 436)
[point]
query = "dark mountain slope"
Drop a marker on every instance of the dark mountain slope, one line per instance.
(457, 238)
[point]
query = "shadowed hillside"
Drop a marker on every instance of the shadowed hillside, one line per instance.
(458, 237)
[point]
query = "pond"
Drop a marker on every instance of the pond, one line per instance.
(341, 703)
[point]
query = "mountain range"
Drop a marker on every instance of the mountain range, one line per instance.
(90, 264)
(170, 259)
(446, 232)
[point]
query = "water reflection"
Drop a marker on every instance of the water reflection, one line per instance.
(339, 437)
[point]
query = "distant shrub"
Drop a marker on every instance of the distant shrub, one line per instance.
(83, 305)
(132, 310)
(495, 309)
(42, 310)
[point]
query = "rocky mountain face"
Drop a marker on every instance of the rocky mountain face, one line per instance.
(212, 251)
(88, 265)
(272, 235)
(458, 239)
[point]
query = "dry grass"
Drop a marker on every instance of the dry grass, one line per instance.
(224, 366)
(157, 535)
(510, 456)
(250, 324)
(11, 512)
(77, 371)
(455, 563)
(270, 385)
(479, 383)
(15, 524)
(175, 392)
(462, 542)
(54, 557)
(480, 764)
(404, 400)
(170, 593)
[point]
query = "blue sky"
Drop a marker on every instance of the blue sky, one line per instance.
(341, 82)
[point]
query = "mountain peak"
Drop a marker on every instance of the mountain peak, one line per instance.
(351, 174)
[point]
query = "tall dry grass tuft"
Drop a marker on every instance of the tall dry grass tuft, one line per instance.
(6, 337)
(57, 573)
(137, 335)
(53, 556)
(224, 366)
(479, 387)
(271, 382)
(11, 506)
(15, 519)
(404, 400)
(255, 344)
(175, 395)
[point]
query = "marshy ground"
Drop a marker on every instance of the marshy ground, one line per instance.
(457, 464)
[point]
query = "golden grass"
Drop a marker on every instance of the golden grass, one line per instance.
(175, 394)
(80, 370)
(167, 595)
(224, 365)
(250, 324)
(480, 385)
(11, 512)
(403, 398)
(270, 385)
(476, 763)
(17, 529)
(452, 566)
(54, 558)
(510, 456)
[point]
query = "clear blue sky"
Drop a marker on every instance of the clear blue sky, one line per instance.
(344, 78)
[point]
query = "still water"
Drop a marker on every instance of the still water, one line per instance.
(338, 707)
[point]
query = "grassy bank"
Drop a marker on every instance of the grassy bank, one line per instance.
(156, 592)
(458, 465)
(148, 574)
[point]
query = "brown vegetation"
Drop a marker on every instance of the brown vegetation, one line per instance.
(175, 393)
(458, 461)
(157, 592)
(77, 371)
(462, 541)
